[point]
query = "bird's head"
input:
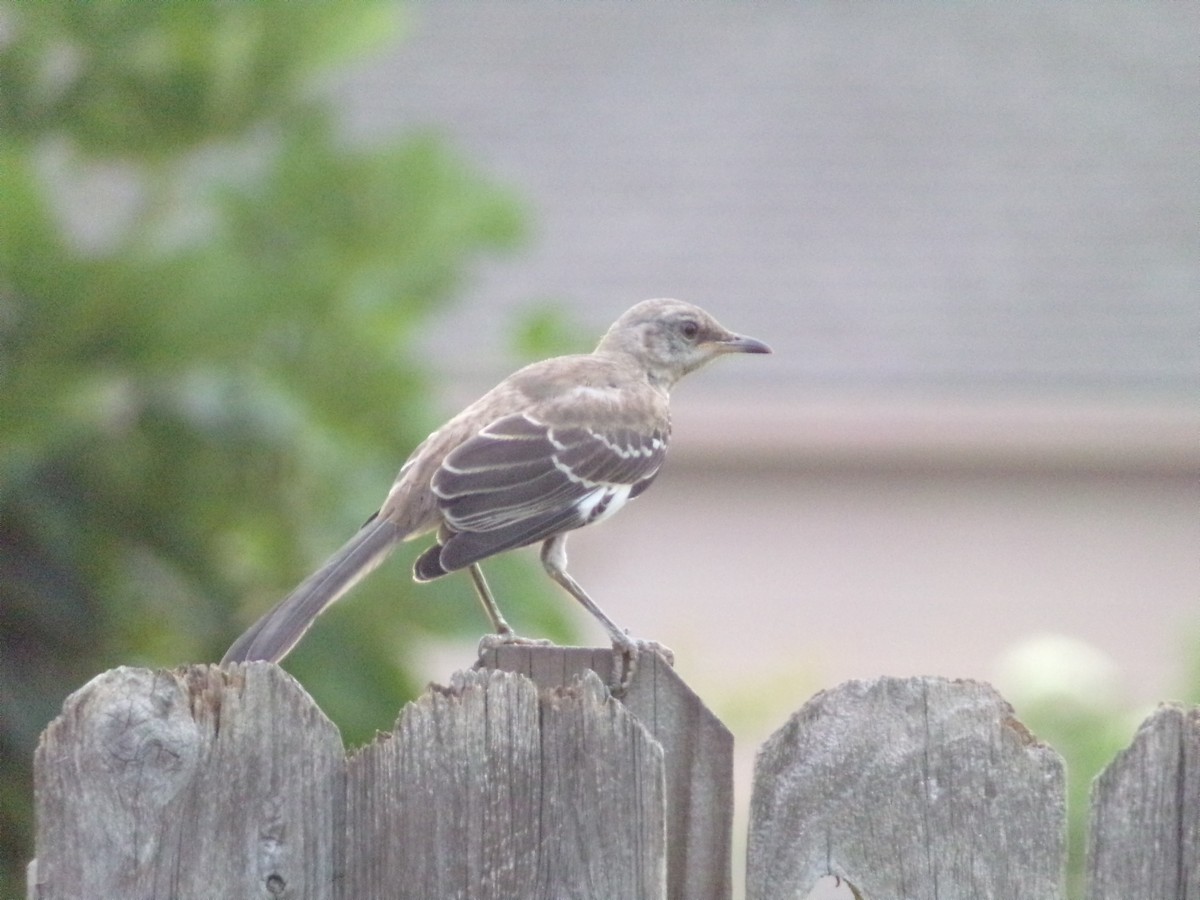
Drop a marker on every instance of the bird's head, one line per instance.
(671, 338)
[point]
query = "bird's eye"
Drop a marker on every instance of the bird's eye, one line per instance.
(689, 329)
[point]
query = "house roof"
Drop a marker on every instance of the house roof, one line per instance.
(916, 199)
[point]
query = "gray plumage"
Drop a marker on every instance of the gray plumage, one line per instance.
(557, 445)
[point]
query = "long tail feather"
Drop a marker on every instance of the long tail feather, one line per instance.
(276, 633)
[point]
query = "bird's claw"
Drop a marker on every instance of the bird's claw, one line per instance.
(508, 639)
(626, 653)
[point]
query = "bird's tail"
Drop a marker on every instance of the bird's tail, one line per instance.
(272, 636)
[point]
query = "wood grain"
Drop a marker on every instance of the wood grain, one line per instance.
(917, 788)
(1144, 839)
(194, 782)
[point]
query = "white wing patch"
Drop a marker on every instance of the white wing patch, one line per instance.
(598, 505)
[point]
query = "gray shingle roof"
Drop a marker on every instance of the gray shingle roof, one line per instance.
(973, 198)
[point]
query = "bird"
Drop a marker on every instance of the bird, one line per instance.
(559, 444)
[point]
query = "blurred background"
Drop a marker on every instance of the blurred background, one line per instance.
(250, 254)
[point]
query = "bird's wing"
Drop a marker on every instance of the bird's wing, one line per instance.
(519, 480)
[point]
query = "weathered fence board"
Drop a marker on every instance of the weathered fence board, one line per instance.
(202, 782)
(698, 751)
(488, 790)
(907, 788)
(189, 783)
(1144, 839)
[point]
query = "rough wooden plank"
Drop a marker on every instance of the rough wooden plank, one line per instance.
(916, 788)
(191, 783)
(697, 747)
(490, 789)
(1144, 839)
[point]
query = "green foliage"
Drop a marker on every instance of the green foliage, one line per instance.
(1088, 738)
(136, 80)
(546, 329)
(208, 306)
(1190, 651)
(1067, 692)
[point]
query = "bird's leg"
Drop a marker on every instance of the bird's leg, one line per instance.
(499, 625)
(504, 633)
(554, 560)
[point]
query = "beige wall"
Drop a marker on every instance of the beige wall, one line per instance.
(818, 571)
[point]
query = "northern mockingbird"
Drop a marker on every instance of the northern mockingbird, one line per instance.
(560, 444)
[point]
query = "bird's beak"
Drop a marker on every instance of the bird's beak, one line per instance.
(739, 343)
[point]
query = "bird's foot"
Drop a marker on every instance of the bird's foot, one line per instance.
(508, 639)
(626, 653)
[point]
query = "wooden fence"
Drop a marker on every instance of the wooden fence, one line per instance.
(525, 779)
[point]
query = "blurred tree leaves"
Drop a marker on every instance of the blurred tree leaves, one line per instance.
(208, 306)
(129, 80)
(546, 329)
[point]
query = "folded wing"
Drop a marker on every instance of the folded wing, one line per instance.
(520, 480)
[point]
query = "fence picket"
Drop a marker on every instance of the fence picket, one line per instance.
(195, 782)
(489, 789)
(1144, 835)
(698, 756)
(907, 788)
